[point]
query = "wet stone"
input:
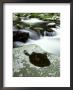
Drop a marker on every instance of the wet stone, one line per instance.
(51, 25)
(20, 36)
(50, 32)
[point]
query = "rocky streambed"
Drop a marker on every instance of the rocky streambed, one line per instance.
(22, 67)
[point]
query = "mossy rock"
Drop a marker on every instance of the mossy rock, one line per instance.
(50, 30)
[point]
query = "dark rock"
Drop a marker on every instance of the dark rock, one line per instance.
(50, 32)
(32, 34)
(20, 36)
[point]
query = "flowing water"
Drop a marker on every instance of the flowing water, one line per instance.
(50, 44)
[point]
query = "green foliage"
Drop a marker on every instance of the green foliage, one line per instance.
(50, 17)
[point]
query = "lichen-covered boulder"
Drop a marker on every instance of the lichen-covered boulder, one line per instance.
(22, 67)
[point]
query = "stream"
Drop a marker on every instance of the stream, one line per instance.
(50, 44)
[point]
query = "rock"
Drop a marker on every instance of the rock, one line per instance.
(17, 44)
(34, 21)
(22, 67)
(50, 32)
(32, 34)
(51, 25)
(20, 36)
(39, 30)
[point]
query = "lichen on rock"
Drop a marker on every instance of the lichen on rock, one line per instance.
(22, 67)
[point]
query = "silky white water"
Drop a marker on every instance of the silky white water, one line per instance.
(50, 44)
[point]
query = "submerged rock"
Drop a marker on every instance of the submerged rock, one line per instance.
(34, 35)
(50, 32)
(39, 30)
(17, 44)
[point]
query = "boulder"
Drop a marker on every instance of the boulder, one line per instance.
(29, 33)
(24, 67)
(20, 36)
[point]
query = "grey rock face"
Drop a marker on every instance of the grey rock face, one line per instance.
(22, 67)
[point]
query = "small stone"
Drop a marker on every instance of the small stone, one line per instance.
(50, 32)
(51, 25)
